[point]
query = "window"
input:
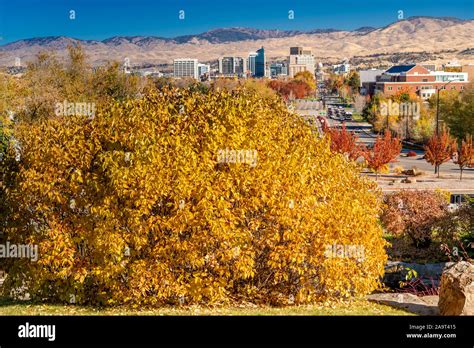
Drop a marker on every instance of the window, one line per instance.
(389, 88)
(425, 80)
(453, 87)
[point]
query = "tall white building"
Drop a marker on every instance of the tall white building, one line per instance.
(251, 63)
(301, 59)
(341, 69)
(203, 69)
(186, 67)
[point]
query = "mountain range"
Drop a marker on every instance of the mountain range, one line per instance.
(433, 38)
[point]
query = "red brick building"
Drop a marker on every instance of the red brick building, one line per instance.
(417, 79)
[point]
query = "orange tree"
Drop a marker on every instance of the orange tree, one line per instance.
(344, 142)
(464, 155)
(187, 197)
(308, 78)
(296, 88)
(385, 150)
(439, 149)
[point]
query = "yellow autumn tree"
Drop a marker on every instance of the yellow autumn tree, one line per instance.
(188, 197)
(308, 78)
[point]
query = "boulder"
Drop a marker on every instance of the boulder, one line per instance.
(395, 272)
(425, 305)
(456, 295)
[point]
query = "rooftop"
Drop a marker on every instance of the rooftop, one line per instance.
(400, 68)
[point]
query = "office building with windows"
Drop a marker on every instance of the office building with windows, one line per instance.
(260, 63)
(204, 70)
(233, 66)
(278, 69)
(417, 79)
(251, 63)
(300, 59)
(186, 67)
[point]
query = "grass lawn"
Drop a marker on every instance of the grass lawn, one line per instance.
(356, 307)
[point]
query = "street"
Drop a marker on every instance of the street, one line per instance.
(449, 171)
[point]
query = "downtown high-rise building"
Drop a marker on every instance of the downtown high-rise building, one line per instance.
(300, 59)
(204, 70)
(186, 67)
(278, 69)
(232, 66)
(251, 63)
(260, 63)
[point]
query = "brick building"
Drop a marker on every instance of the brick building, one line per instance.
(417, 79)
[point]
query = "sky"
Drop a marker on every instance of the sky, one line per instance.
(100, 19)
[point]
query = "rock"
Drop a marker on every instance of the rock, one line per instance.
(456, 295)
(431, 300)
(411, 172)
(395, 271)
(420, 305)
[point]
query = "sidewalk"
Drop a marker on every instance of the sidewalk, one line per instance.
(427, 181)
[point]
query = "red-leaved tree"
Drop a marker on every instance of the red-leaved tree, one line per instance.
(464, 156)
(295, 88)
(385, 150)
(343, 141)
(439, 149)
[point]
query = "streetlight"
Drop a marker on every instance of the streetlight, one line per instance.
(437, 103)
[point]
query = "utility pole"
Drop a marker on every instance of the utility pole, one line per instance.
(437, 111)
(437, 103)
(407, 137)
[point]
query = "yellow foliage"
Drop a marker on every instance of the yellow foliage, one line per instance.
(134, 206)
(398, 169)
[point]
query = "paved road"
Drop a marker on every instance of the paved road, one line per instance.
(364, 132)
(449, 179)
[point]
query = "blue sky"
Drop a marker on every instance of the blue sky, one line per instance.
(99, 19)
